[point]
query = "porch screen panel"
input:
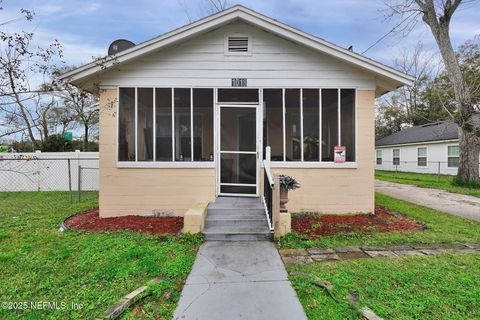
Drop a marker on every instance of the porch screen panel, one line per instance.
(163, 129)
(126, 124)
(292, 125)
(273, 122)
(347, 122)
(182, 124)
(311, 124)
(238, 95)
(329, 123)
(203, 124)
(145, 124)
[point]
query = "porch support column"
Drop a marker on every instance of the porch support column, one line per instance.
(281, 220)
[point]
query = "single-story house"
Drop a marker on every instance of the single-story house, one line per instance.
(187, 117)
(427, 148)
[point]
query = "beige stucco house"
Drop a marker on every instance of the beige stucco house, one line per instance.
(187, 117)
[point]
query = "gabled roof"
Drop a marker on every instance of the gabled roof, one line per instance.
(239, 12)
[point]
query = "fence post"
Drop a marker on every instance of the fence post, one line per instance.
(79, 180)
(69, 180)
(396, 170)
(438, 172)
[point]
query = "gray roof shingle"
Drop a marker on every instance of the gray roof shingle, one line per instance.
(438, 131)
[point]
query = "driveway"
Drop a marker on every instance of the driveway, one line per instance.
(238, 280)
(453, 203)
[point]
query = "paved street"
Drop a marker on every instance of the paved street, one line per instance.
(453, 203)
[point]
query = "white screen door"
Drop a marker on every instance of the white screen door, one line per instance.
(237, 168)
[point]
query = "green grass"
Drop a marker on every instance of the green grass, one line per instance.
(432, 287)
(93, 270)
(426, 180)
(441, 228)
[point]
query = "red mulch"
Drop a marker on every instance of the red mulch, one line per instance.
(90, 221)
(325, 225)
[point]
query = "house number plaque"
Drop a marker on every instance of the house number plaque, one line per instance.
(239, 82)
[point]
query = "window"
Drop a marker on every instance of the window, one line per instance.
(163, 131)
(453, 156)
(422, 156)
(379, 157)
(311, 122)
(145, 124)
(347, 123)
(182, 124)
(293, 135)
(203, 124)
(238, 95)
(126, 125)
(273, 122)
(156, 124)
(396, 157)
(329, 123)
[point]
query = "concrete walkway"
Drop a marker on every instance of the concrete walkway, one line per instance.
(453, 203)
(238, 280)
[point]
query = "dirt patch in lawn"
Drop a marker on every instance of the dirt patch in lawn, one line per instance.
(90, 221)
(383, 220)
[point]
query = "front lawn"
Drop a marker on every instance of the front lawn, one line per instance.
(425, 180)
(441, 228)
(445, 286)
(91, 270)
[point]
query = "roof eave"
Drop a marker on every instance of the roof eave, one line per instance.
(227, 16)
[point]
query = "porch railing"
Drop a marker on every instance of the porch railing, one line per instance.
(271, 191)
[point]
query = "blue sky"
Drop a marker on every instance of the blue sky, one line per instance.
(86, 28)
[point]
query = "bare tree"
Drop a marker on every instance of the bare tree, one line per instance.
(424, 66)
(437, 15)
(204, 7)
(82, 105)
(21, 63)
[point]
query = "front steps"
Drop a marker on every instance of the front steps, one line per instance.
(236, 219)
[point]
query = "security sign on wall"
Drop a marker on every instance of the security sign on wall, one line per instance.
(339, 152)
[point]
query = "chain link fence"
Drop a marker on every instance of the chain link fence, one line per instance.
(435, 168)
(71, 178)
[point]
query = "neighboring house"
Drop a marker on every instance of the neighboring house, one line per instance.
(187, 116)
(428, 148)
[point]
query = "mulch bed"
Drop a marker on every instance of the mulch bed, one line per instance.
(90, 221)
(383, 220)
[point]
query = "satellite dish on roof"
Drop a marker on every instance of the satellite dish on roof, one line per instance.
(119, 45)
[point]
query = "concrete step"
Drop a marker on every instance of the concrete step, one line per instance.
(237, 200)
(237, 234)
(236, 220)
(236, 211)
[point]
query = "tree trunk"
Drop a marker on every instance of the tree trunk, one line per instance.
(469, 143)
(468, 168)
(85, 138)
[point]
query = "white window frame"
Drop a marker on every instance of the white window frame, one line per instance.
(426, 157)
(377, 157)
(212, 164)
(242, 53)
(399, 156)
(320, 163)
(162, 164)
(452, 145)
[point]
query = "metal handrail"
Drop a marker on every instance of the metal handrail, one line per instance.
(268, 189)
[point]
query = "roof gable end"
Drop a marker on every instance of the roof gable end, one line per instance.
(238, 12)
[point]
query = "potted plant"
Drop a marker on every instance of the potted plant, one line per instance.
(286, 183)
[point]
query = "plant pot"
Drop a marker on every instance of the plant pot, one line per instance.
(283, 199)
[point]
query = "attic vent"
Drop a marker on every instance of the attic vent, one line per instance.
(237, 44)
